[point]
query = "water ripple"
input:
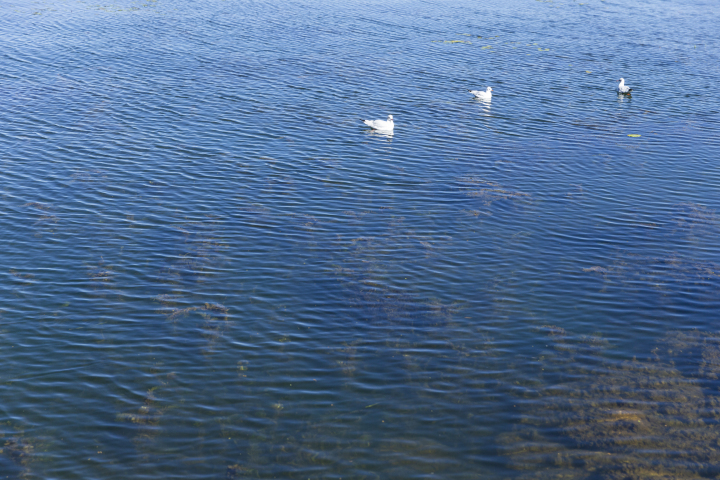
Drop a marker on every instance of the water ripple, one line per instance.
(212, 269)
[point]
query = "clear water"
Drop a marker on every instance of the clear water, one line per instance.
(211, 269)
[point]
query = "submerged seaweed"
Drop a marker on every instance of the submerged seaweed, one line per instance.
(21, 450)
(621, 420)
(199, 252)
(214, 317)
(694, 220)
(367, 279)
(489, 192)
(669, 273)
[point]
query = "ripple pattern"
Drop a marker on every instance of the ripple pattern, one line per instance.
(211, 269)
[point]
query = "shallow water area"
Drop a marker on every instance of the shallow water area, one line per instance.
(213, 269)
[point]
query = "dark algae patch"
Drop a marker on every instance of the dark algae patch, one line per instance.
(593, 418)
(20, 453)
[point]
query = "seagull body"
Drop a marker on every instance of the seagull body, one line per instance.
(486, 95)
(622, 88)
(384, 125)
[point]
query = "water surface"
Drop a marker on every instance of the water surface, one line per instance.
(211, 269)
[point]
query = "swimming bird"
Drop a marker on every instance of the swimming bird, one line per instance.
(622, 88)
(486, 95)
(384, 125)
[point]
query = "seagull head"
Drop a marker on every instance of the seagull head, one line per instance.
(622, 80)
(390, 119)
(489, 89)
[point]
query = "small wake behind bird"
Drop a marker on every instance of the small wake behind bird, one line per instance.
(382, 125)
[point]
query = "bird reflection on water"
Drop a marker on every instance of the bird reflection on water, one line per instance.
(386, 134)
(484, 106)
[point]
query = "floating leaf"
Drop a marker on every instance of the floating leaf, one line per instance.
(588, 71)
(633, 135)
(486, 47)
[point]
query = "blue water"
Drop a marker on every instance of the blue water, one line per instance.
(210, 268)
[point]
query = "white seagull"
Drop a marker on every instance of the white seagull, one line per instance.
(486, 95)
(622, 88)
(384, 125)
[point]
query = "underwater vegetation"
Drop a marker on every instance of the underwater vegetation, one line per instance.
(591, 417)
(147, 414)
(489, 48)
(661, 273)
(199, 251)
(89, 176)
(146, 430)
(19, 452)
(488, 193)
(366, 276)
(39, 206)
(694, 220)
(276, 440)
(44, 219)
(199, 254)
(690, 227)
(212, 321)
(28, 277)
(100, 272)
(452, 41)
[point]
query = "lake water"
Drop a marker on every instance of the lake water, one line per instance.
(210, 269)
